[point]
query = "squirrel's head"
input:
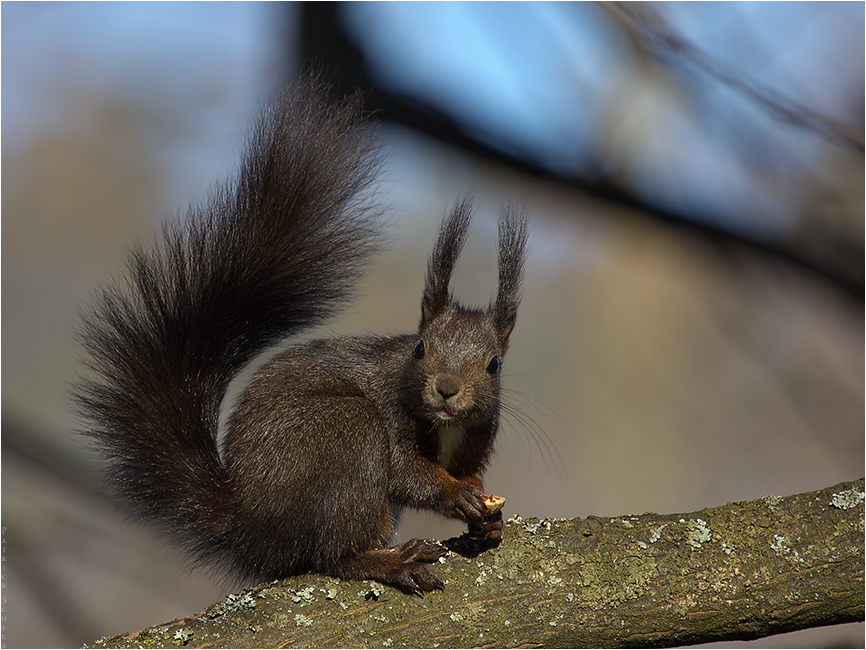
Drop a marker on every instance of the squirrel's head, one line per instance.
(459, 353)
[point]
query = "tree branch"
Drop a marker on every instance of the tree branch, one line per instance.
(740, 571)
(326, 46)
(649, 27)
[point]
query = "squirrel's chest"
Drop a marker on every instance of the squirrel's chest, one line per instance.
(450, 438)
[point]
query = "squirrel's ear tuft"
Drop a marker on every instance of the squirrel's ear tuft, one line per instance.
(512, 254)
(452, 236)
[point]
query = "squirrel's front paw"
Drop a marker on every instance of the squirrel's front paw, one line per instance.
(465, 502)
(490, 531)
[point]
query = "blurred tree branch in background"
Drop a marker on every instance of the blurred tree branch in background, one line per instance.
(828, 244)
(649, 29)
(741, 571)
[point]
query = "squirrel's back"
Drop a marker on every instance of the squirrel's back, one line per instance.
(269, 254)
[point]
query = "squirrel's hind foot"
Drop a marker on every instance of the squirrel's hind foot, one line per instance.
(411, 575)
(403, 566)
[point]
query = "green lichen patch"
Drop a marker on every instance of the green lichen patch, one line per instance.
(232, 603)
(699, 532)
(847, 499)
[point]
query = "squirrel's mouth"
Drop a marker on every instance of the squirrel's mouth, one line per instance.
(446, 413)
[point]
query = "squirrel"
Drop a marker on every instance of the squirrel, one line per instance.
(332, 438)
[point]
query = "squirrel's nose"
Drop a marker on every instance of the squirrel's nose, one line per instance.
(447, 386)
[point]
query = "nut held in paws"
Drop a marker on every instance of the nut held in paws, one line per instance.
(494, 503)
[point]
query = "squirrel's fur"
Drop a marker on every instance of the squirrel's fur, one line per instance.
(331, 438)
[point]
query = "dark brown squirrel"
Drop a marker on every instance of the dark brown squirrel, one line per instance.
(332, 438)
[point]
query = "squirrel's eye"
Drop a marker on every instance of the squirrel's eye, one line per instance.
(493, 366)
(419, 350)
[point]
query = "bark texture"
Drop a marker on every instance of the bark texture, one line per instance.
(740, 571)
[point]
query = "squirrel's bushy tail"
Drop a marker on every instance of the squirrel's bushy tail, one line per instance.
(272, 253)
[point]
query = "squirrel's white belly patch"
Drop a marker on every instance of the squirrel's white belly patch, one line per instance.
(450, 437)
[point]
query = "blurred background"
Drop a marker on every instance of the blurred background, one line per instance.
(692, 327)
